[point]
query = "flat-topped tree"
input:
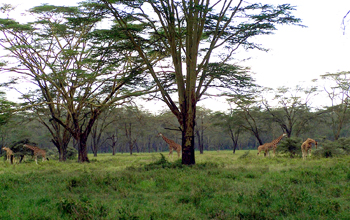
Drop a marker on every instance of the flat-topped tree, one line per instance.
(199, 40)
(78, 72)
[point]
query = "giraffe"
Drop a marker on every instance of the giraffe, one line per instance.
(306, 147)
(9, 153)
(270, 146)
(36, 151)
(172, 145)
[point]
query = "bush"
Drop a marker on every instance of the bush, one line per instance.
(290, 146)
(330, 149)
(344, 144)
(81, 209)
(72, 153)
(163, 163)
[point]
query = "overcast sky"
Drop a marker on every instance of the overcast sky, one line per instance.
(297, 55)
(301, 54)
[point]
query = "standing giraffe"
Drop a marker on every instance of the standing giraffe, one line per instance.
(306, 147)
(9, 153)
(36, 151)
(270, 146)
(172, 145)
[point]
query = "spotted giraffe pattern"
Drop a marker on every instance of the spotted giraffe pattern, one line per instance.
(306, 147)
(37, 152)
(270, 146)
(172, 145)
(9, 153)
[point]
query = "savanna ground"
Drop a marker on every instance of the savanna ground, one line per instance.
(221, 185)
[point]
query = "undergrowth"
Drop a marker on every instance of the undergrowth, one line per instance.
(152, 186)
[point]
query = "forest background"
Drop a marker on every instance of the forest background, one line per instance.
(258, 116)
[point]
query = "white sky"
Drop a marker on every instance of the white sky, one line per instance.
(302, 54)
(297, 55)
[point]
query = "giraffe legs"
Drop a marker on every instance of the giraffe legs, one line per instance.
(306, 152)
(309, 152)
(171, 153)
(274, 150)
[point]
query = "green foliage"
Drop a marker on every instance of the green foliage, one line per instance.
(18, 149)
(268, 188)
(5, 109)
(333, 148)
(72, 153)
(344, 144)
(163, 163)
(290, 146)
(245, 155)
(81, 209)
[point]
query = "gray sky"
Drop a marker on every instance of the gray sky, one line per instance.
(301, 54)
(297, 55)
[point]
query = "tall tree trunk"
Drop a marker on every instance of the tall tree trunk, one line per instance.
(61, 140)
(62, 149)
(82, 149)
(188, 157)
(234, 137)
(200, 140)
(113, 150)
(130, 148)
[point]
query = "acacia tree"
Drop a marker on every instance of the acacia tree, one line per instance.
(79, 72)
(6, 108)
(233, 123)
(6, 111)
(98, 132)
(203, 122)
(338, 92)
(193, 33)
(292, 110)
(249, 111)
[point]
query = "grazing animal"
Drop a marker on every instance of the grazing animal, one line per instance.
(270, 146)
(172, 145)
(306, 147)
(37, 152)
(9, 153)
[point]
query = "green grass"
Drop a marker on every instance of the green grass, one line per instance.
(221, 185)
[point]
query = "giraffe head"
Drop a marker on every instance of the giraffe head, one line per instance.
(159, 134)
(284, 134)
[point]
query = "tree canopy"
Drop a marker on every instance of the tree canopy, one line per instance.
(198, 40)
(78, 71)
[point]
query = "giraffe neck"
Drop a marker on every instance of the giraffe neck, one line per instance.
(166, 139)
(312, 141)
(8, 150)
(30, 147)
(277, 140)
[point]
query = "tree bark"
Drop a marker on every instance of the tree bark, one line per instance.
(82, 149)
(188, 155)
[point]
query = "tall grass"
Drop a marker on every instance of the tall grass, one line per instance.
(221, 185)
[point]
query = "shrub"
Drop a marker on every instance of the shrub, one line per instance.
(245, 155)
(163, 163)
(290, 146)
(344, 144)
(81, 209)
(72, 153)
(330, 149)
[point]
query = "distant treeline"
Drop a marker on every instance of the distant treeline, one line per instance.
(133, 129)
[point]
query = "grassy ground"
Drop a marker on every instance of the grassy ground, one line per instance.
(145, 186)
